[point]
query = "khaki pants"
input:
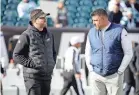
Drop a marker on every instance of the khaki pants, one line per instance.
(110, 85)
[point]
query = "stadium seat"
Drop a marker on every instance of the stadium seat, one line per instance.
(9, 18)
(83, 20)
(87, 2)
(83, 14)
(50, 22)
(11, 6)
(70, 21)
(71, 8)
(8, 23)
(15, 2)
(3, 7)
(21, 24)
(11, 13)
(71, 14)
(86, 9)
(3, 2)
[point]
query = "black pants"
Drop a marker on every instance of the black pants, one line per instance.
(69, 80)
(37, 87)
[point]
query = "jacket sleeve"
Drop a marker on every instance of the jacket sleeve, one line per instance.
(54, 51)
(20, 54)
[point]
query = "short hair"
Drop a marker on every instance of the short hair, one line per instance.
(33, 13)
(99, 11)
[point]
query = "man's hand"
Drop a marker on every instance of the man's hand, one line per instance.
(78, 76)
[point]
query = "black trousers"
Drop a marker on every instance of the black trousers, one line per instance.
(37, 87)
(69, 80)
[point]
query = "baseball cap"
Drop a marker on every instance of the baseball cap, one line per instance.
(75, 40)
(38, 13)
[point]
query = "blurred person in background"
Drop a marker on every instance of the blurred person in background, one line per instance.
(61, 15)
(129, 75)
(115, 15)
(134, 66)
(35, 50)
(25, 7)
(72, 66)
(3, 59)
(128, 21)
(134, 6)
(121, 3)
(108, 52)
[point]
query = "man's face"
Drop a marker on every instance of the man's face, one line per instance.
(98, 21)
(132, 1)
(60, 5)
(116, 8)
(41, 21)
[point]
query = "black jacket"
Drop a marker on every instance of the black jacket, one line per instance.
(36, 52)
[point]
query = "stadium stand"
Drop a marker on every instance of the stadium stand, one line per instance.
(78, 12)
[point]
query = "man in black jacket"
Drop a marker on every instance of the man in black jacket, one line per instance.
(35, 51)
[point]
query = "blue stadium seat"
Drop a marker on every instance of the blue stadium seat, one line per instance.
(9, 18)
(102, 3)
(70, 21)
(81, 25)
(86, 8)
(15, 2)
(3, 2)
(8, 23)
(71, 14)
(21, 24)
(76, 20)
(87, 2)
(81, 3)
(50, 22)
(11, 6)
(71, 8)
(3, 8)
(83, 14)
(72, 3)
(89, 25)
(11, 13)
(83, 20)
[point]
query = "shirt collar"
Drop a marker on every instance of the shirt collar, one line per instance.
(105, 28)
